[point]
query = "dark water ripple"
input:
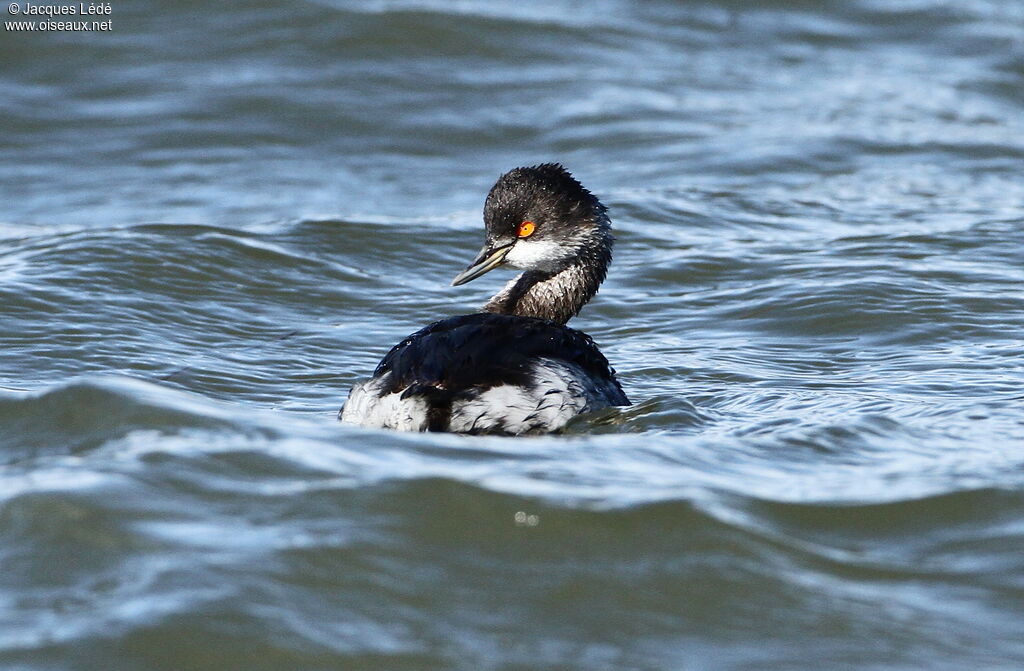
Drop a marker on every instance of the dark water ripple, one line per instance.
(214, 219)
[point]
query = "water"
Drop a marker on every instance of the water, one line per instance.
(216, 217)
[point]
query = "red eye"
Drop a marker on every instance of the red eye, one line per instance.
(526, 229)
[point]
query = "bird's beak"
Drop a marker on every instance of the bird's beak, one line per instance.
(489, 258)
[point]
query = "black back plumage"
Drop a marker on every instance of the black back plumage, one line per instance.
(480, 351)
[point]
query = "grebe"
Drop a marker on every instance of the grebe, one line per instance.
(514, 368)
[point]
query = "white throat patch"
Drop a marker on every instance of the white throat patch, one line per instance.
(536, 255)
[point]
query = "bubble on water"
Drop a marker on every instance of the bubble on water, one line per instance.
(524, 519)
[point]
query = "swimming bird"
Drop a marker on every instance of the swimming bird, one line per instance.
(515, 367)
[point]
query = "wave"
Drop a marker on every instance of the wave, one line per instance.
(381, 574)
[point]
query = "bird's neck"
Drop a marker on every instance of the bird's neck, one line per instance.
(556, 296)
